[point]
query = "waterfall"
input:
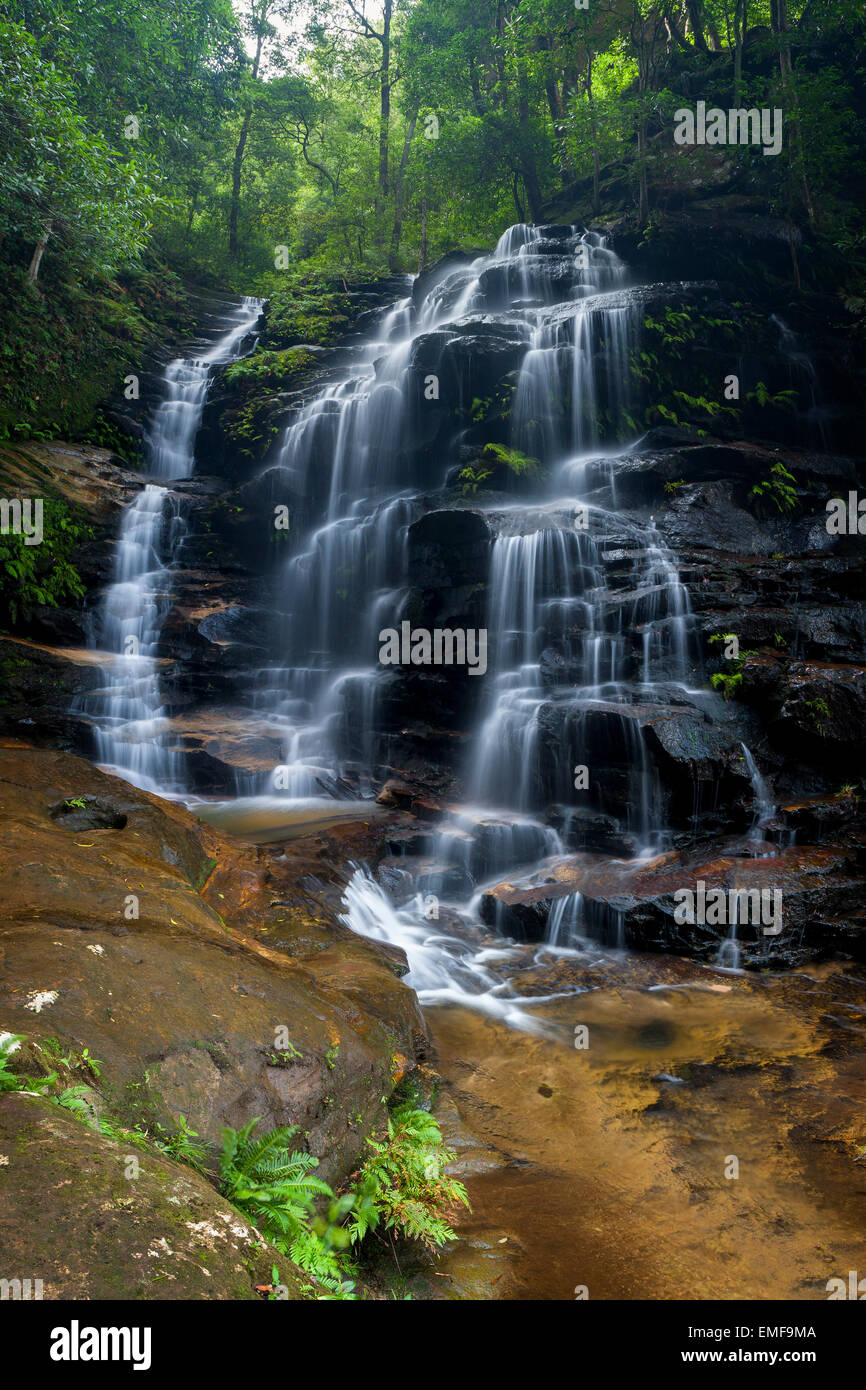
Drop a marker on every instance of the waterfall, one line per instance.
(589, 624)
(347, 456)
(575, 657)
(442, 969)
(131, 721)
(802, 376)
(764, 805)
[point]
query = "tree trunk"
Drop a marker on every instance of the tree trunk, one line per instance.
(422, 259)
(643, 193)
(385, 107)
(596, 162)
(556, 107)
(779, 25)
(528, 168)
(736, 42)
(515, 189)
(237, 167)
(39, 252)
(474, 84)
(238, 162)
(192, 210)
(694, 12)
(397, 231)
(553, 102)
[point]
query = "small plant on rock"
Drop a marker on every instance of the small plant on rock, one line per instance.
(779, 488)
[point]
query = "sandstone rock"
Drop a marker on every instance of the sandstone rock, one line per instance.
(71, 1216)
(182, 1002)
(633, 904)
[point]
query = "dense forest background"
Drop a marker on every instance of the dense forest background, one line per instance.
(281, 147)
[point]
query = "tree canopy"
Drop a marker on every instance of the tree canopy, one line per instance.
(363, 135)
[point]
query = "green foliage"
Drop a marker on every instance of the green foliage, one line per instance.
(65, 350)
(306, 307)
(273, 1185)
(779, 488)
(730, 681)
(276, 1190)
(270, 368)
(182, 1145)
(404, 1185)
(138, 1138)
(818, 712)
(42, 575)
(10, 1043)
(521, 465)
(60, 178)
(782, 400)
(669, 355)
(73, 1098)
(728, 684)
(471, 479)
(77, 1099)
(262, 125)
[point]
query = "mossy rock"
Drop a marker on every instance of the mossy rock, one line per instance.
(94, 1218)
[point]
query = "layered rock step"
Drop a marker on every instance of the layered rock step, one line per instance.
(632, 903)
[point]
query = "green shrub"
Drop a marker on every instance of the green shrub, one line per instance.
(403, 1187)
(270, 367)
(728, 684)
(779, 488)
(404, 1184)
(521, 465)
(33, 576)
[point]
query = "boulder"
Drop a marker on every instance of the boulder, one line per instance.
(180, 957)
(93, 1217)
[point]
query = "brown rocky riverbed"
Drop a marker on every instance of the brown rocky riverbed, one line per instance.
(604, 1166)
(608, 1167)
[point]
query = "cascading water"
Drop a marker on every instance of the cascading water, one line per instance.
(764, 805)
(130, 720)
(588, 623)
(569, 655)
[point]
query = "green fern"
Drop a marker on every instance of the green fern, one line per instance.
(276, 1190)
(519, 464)
(404, 1183)
(272, 1184)
(779, 488)
(9, 1044)
(403, 1186)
